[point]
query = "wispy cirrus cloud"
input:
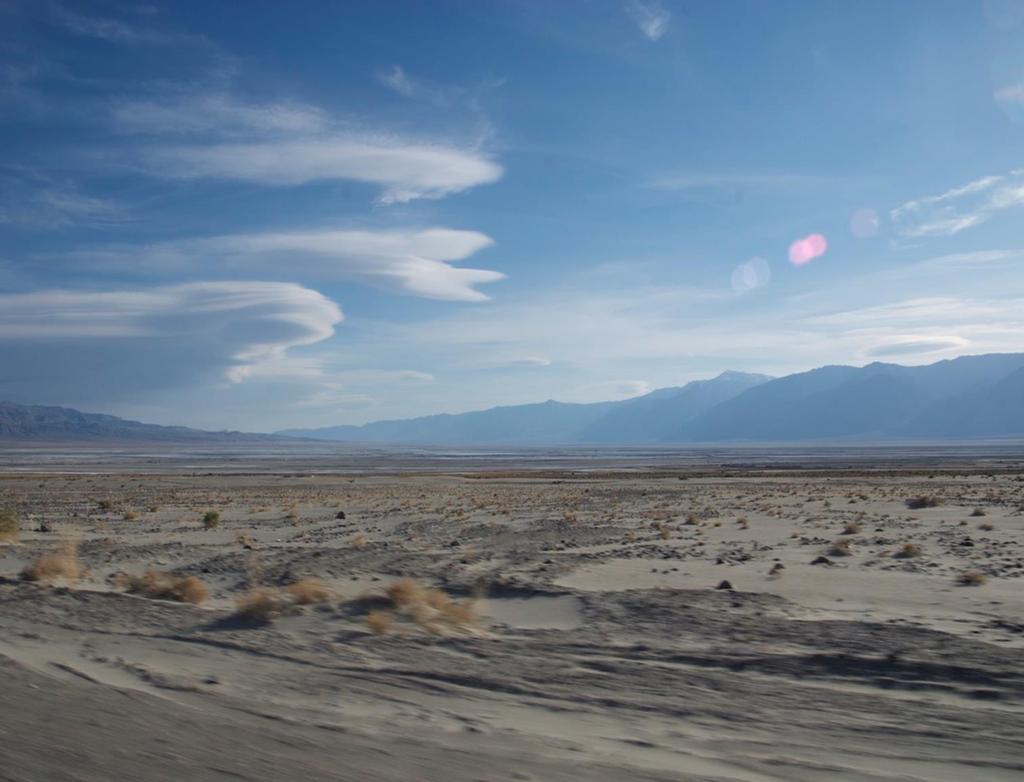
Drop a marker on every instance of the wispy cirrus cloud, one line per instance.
(33, 200)
(216, 112)
(650, 17)
(397, 79)
(960, 208)
(114, 344)
(117, 31)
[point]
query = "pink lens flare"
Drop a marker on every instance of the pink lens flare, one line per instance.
(807, 249)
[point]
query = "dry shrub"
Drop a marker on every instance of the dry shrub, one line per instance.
(359, 540)
(159, 585)
(986, 527)
(307, 591)
(9, 530)
(743, 523)
(404, 592)
(431, 608)
(923, 501)
(978, 512)
(852, 528)
(691, 520)
(262, 604)
(130, 515)
(379, 622)
(841, 548)
(909, 551)
(971, 578)
(56, 566)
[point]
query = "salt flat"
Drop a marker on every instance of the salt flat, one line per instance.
(575, 630)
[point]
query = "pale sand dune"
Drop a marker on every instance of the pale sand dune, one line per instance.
(601, 649)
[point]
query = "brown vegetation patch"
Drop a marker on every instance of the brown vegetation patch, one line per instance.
(62, 566)
(909, 551)
(159, 585)
(971, 578)
(308, 591)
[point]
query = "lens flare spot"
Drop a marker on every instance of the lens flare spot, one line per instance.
(807, 249)
(751, 275)
(865, 223)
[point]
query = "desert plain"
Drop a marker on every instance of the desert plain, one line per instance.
(741, 623)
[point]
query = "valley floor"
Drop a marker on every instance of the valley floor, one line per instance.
(557, 626)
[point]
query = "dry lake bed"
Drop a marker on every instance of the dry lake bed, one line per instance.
(735, 622)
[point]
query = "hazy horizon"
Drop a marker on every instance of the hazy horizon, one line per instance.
(298, 217)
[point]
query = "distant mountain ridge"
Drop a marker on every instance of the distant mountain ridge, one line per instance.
(49, 423)
(971, 397)
(640, 419)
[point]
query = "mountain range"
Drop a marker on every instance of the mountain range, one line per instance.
(49, 423)
(970, 397)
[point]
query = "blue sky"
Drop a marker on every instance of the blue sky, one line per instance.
(269, 215)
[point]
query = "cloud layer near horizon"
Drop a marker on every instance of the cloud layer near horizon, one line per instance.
(117, 344)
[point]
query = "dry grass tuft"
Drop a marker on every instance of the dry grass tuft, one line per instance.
(308, 591)
(852, 528)
(159, 585)
(909, 551)
(380, 622)
(262, 604)
(971, 578)
(841, 548)
(359, 540)
(9, 530)
(431, 608)
(56, 567)
(923, 501)
(405, 592)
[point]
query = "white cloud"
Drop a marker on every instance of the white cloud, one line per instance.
(961, 208)
(418, 263)
(1011, 93)
(396, 79)
(36, 201)
(405, 170)
(216, 112)
(651, 17)
(112, 344)
(117, 31)
(914, 345)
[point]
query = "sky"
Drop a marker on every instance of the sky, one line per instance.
(267, 215)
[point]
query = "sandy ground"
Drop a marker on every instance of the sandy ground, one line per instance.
(592, 642)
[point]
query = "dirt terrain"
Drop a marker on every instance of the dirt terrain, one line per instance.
(741, 624)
